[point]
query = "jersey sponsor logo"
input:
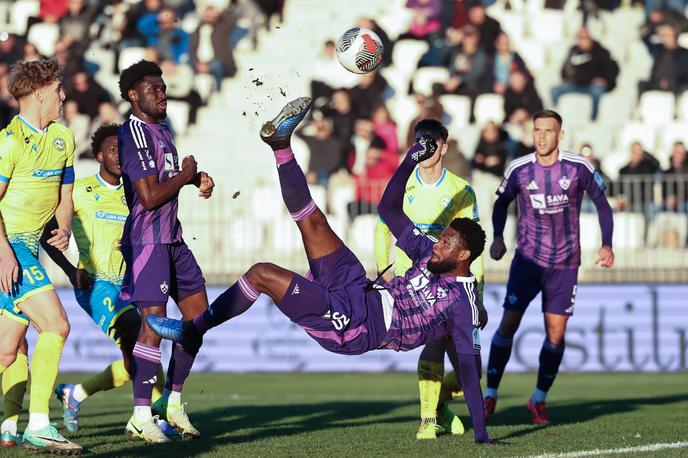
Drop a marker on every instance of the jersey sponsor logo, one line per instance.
(564, 182)
(89, 188)
(538, 201)
(419, 282)
(164, 287)
(599, 180)
(111, 216)
(169, 161)
(476, 339)
(557, 199)
(144, 167)
(49, 173)
(296, 290)
(59, 144)
(532, 186)
(338, 319)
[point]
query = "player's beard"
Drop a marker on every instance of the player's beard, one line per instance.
(441, 267)
(154, 111)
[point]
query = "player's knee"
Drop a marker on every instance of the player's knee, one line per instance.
(24, 347)
(60, 327)
(261, 274)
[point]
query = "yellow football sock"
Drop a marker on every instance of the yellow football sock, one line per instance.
(111, 377)
(451, 388)
(159, 386)
(429, 384)
(14, 386)
(44, 364)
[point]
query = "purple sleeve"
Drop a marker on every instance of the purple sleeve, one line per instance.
(505, 194)
(595, 186)
(391, 206)
(415, 244)
(135, 156)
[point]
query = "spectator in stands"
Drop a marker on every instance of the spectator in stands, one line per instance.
(490, 154)
(676, 6)
(87, 93)
(80, 125)
(9, 107)
(130, 35)
(371, 91)
(179, 79)
(670, 66)
(426, 20)
(455, 14)
(250, 19)
(210, 48)
(456, 162)
(587, 151)
(387, 44)
(441, 48)
(505, 62)
(636, 180)
(51, 11)
(30, 52)
(107, 114)
(77, 21)
(325, 149)
(385, 128)
(145, 16)
(588, 69)
(328, 76)
(488, 28)
(341, 112)
(271, 8)
(428, 107)
(370, 184)
(469, 70)
(70, 56)
(171, 42)
(11, 49)
(521, 100)
(675, 179)
(659, 17)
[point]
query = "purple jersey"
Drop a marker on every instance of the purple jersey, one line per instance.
(428, 306)
(145, 150)
(550, 203)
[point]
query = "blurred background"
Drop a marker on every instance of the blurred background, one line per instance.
(616, 70)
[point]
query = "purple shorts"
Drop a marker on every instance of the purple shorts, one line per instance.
(527, 279)
(336, 309)
(156, 272)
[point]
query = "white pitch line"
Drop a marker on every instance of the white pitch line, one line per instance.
(614, 451)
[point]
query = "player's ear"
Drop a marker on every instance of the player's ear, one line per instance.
(561, 135)
(133, 95)
(99, 156)
(444, 149)
(464, 254)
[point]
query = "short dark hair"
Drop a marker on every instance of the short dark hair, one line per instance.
(432, 127)
(100, 135)
(472, 234)
(134, 74)
(548, 114)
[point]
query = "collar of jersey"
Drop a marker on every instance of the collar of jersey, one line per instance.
(134, 118)
(470, 279)
(106, 184)
(434, 185)
(560, 156)
(30, 126)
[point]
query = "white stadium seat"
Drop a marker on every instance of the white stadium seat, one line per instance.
(244, 235)
(533, 52)
(668, 135)
(269, 200)
(489, 107)
(636, 131)
(44, 36)
(20, 12)
(547, 26)
(615, 108)
(178, 114)
(599, 136)
(459, 108)
(129, 56)
(340, 196)
(590, 234)
(628, 231)
(406, 54)
(362, 237)
(425, 77)
(668, 230)
(656, 107)
(682, 109)
(575, 108)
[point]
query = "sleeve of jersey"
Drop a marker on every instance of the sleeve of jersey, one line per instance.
(415, 244)
(68, 175)
(8, 155)
(381, 245)
(136, 155)
(595, 186)
(466, 205)
(505, 194)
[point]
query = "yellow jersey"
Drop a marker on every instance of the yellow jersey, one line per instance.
(431, 207)
(100, 211)
(35, 164)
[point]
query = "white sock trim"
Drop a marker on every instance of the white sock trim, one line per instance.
(79, 393)
(142, 413)
(175, 398)
(9, 426)
(38, 421)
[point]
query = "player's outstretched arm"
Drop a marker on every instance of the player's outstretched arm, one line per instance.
(391, 206)
(9, 268)
(595, 186)
(153, 193)
(498, 247)
(382, 240)
(79, 278)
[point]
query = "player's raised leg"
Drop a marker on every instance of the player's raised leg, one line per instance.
(14, 381)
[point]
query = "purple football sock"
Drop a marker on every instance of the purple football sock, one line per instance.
(235, 301)
(144, 366)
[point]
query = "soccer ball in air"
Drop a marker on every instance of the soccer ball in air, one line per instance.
(359, 50)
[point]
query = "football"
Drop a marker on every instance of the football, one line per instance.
(359, 50)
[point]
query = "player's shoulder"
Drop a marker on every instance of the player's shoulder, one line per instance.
(577, 160)
(57, 129)
(133, 129)
(9, 139)
(83, 183)
(457, 183)
(519, 163)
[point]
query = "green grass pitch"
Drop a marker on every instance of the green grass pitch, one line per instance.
(361, 415)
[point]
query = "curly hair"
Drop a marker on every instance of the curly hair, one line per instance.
(472, 234)
(100, 135)
(27, 77)
(135, 73)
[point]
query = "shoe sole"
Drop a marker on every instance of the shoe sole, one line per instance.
(293, 108)
(133, 435)
(51, 450)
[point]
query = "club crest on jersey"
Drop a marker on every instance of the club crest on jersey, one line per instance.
(164, 287)
(59, 144)
(124, 200)
(564, 182)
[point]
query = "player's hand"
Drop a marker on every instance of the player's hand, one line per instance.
(498, 248)
(605, 257)
(9, 271)
(423, 149)
(387, 276)
(190, 168)
(206, 185)
(59, 239)
(482, 316)
(81, 280)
